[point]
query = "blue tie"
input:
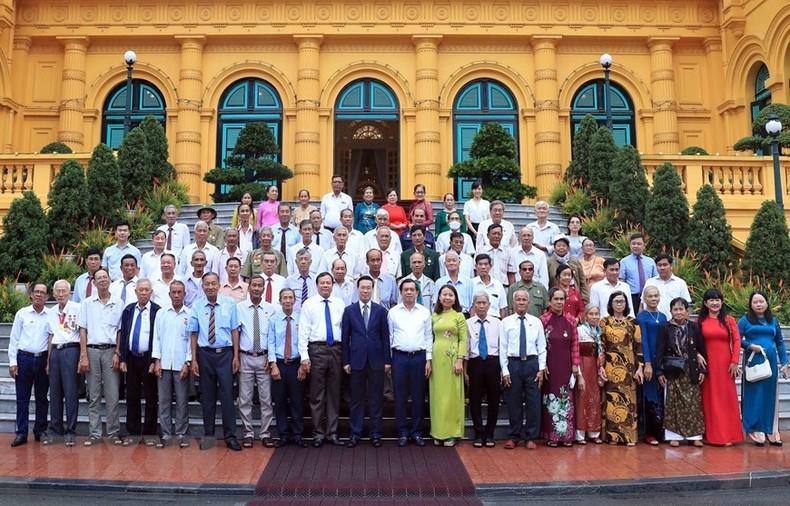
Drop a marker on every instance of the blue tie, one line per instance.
(123, 290)
(522, 340)
(482, 344)
(136, 332)
(330, 335)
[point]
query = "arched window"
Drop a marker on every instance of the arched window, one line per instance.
(762, 95)
(246, 101)
(590, 99)
(146, 100)
(367, 137)
(480, 102)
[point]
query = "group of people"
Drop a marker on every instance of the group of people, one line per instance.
(291, 301)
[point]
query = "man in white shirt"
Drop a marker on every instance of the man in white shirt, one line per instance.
(544, 230)
(411, 339)
(285, 234)
(172, 355)
(302, 282)
(462, 284)
(340, 250)
(316, 252)
(273, 282)
(467, 266)
(334, 202)
(194, 281)
(483, 282)
(527, 251)
(390, 263)
(201, 244)
(231, 250)
(669, 286)
(483, 369)
(99, 320)
(64, 357)
(321, 236)
(371, 238)
(498, 252)
(254, 315)
(124, 287)
(84, 287)
(522, 358)
(319, 346)
(601, 291)
(161, 284)
(356, 239)
(149, 268)
(27, 363)
(342, 287)
(426, 288)
(509, 237)
(443, 239)
(176, 234)
(113, 255)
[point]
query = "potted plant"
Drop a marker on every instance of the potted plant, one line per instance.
(12, 300)
(59, 267)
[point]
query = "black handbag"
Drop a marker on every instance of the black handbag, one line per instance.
(673, 367)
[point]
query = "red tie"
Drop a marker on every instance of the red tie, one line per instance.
(269, 290)
(288, 338)
(89, 290)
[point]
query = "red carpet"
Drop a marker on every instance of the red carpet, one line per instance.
(429, 475)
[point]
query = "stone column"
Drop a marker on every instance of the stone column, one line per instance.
(427, 153)
(662, 87)
(18, 81)
(72, 105)
(307, 140)
(188, 137)
(547, 119)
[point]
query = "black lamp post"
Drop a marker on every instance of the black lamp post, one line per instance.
(130, 57)
(773, 128)
(606, 62)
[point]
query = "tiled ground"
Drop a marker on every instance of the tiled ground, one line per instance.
(485, 466)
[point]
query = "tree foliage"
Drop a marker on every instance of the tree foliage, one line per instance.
(693, 150)
(105, 188)
(767, 253)
(54, 148)
(709, 233)
(601, 153)
(667, 211)
(134, 163)
(68, 206)
(493, 162)
(253, 159)
(759, 138)
(628, 190)
(25, 239)
(578, 172)
(161, 168)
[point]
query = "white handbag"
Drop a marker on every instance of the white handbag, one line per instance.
(758, 372)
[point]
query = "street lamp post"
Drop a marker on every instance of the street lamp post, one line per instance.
(606, 62)
(130, 57)
(774, 128)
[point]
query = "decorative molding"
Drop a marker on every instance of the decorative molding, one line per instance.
(367, 48)
(601, 49)
(249, 48)
(485, 48)
(139, 49)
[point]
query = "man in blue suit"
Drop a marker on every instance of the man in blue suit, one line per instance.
(366, 357)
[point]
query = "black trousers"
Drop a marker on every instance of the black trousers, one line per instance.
(367, 383)
(216, 369)
(288, 398)
(523, 395)
(141, 384)
(484, 378)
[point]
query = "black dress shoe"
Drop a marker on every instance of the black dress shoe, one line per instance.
(280, 443)
(376, 442)
(352, 442)
(19, 441)
(301, 443)
(403, 441)
(234, 445)
(419, 441)
(318, 443)
(37, 437)
(335, 441)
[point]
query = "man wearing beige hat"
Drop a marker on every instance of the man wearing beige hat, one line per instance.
(216, 234)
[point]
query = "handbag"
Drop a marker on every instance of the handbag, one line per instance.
(758, 372)
(673, 366)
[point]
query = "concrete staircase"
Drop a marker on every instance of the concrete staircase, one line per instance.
(8, 404)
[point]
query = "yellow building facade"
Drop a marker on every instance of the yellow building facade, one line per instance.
(390, 93)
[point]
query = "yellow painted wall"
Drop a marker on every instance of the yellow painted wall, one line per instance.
(688, 66)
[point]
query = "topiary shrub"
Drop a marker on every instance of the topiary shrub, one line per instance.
(602, 151)
(710, 234)
(56, 148)
(25, 239)
(578, 171)
(161, 169)
(134, 164)
(628, 190)
(767, 253)
(667, 211)
(493, 161)
(68, 206)
(759, 138)
(252, 160)
(105, 188)
(694, 150)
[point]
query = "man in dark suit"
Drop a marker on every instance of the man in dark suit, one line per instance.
(137, 334)
(366, 357)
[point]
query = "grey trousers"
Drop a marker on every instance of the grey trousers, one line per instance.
(103, 381)
(325, 372)
(171, 382)
(254, 370)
